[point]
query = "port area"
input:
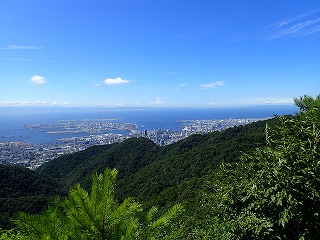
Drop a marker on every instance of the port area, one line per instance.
(101, 132)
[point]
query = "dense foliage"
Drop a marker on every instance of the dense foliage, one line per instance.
(23, 190)
(260, 181)
(157, 173)
(273, 192)
(95, 215)
(127, 157)
(145, 169)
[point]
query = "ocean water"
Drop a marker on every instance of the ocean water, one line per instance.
(13, 119)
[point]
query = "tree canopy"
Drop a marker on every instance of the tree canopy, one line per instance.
(272, 191)
(94, 215)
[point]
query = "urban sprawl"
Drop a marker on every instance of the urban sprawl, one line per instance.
(97, 132)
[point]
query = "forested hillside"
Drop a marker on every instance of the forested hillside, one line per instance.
(24, 190)
(260, 181)
(128, 157)
(146, 169)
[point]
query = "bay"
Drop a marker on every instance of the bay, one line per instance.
(14, 119)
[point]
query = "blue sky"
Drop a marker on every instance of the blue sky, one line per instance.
(181, 53)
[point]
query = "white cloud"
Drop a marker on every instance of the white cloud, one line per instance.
(302, 25)
(180, 86)
(115, 81)
(212, 85)
(212, 103)
(21, 47)
(267, 101)
(158, 102)
(37, 79)
(278, 101)
(27, 60)
(36, 103)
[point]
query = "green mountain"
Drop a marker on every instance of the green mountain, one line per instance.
(25, 190)
(154, 175)
(259, 181)
(145, 169)
(128, 157)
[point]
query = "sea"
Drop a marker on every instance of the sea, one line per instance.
(13, 120)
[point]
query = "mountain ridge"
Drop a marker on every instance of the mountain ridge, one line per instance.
(139, 160)
(146, 170)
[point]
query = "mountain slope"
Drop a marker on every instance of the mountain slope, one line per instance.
(146, 169)
(25, 190)
(155, 175)
(190, 158)
(128, 157)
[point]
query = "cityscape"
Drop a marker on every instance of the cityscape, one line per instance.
(97, 132)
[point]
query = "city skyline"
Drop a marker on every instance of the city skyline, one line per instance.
(158, 53)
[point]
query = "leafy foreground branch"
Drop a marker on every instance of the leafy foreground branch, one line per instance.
(274, 191)
(95, 216)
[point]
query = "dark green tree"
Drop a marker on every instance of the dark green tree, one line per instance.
(274, 191)
(307, 102)
(51, 224)
(93, 216)
(98, 215)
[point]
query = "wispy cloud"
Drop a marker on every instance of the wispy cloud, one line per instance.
(212, 103)
(62, 104)
(267, 101)
(36, 103)
(22, 47)
(181, 85)
(26, 60)
(301, 25)
(37, 79)
(115, 81)
(158, 102)
(212, 85)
